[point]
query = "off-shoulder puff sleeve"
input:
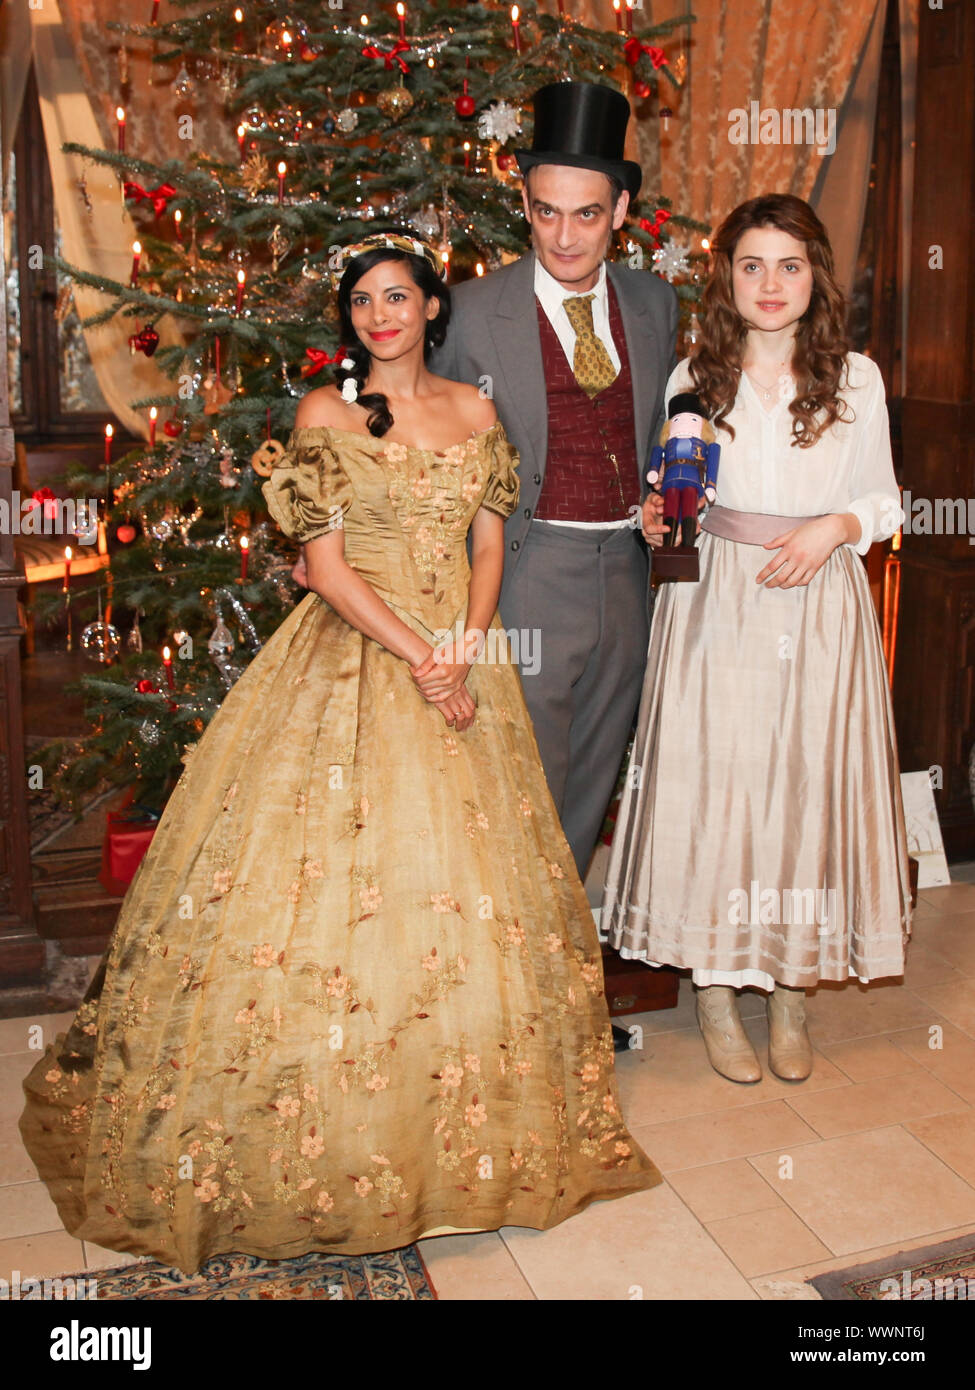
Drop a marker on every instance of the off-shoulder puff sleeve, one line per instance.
(308, 492)
(503, 485)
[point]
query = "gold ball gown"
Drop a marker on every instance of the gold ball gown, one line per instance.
(355, 992)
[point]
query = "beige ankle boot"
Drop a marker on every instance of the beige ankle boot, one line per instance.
(789, 1049)
(729, 1051)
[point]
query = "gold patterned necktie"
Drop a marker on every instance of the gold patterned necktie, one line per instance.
(592, 365)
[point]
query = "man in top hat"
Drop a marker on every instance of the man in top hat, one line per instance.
(576, 352)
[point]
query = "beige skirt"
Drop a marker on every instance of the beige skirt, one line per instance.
(761, 828)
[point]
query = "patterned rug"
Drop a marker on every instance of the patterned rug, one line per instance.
(395, 1276)
(935, 1273)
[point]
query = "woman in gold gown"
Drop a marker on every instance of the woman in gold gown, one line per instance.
(354, 995)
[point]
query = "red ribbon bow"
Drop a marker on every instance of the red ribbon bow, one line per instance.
(653, 228)
(400, 46)
(159, 197)
(44, 498)
(633, 48)
(320, 359)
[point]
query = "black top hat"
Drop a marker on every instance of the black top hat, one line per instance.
(686, 403)
(584, 125)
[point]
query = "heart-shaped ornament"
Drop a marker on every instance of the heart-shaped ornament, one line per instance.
(147, 340)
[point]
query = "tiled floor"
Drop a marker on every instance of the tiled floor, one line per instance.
(764, 1185)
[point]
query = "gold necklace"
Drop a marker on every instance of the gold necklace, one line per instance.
(766, 390)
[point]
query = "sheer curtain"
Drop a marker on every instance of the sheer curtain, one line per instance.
(14, 45)
(78, 85)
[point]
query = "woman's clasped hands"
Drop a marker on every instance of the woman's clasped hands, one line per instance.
(440, 678)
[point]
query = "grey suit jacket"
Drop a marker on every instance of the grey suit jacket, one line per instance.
(493, 341)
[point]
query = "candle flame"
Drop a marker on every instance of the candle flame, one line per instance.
(178, 215)
(705, 244)
(244, 543)
(514, 14)
(363, 19)
(401, 9)
(167, 655)
(153, 412)
(137, 248)
(239, 15)
(616, 6)
(282, 169)
(109, 431)
(120, 114)
(67, 552)
(241, 132)
(241, 277)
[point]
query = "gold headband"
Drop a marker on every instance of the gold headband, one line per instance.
(392, 241)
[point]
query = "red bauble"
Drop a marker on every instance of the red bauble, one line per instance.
(504, 161)
(465, 107)
(173, 428)
(147, 687)
(125, 533)
(146, 341)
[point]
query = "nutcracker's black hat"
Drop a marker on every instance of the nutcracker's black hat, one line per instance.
(582, 124)
(686, 403)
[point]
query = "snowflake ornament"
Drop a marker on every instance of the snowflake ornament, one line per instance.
(670, 260)
(499, 122)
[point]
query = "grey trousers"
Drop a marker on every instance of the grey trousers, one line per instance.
(584, 596)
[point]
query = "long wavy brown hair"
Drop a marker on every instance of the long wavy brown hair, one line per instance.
(821, 343)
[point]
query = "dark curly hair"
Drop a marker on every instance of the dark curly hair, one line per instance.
(426, 279)
(821, 342)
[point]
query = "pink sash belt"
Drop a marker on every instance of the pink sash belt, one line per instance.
(750, 528)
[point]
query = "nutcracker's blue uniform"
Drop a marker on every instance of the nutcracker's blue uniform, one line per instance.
(689, 467)
(683, 461)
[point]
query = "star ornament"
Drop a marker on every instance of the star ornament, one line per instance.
(215, 395)
(254, 175)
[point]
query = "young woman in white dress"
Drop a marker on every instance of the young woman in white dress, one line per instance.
(760, 841)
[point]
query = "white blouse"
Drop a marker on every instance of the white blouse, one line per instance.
(849, 469)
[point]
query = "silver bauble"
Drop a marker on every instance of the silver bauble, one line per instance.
(426, 223)
(221, 642)
(183, 84)
(100, 642)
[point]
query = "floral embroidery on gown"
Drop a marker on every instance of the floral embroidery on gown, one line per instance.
(355, 992)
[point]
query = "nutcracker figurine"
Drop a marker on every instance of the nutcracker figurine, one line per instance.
(688, 458)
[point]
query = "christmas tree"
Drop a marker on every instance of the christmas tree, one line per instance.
(336, 125)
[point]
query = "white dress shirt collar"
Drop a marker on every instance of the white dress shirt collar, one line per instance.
(551, 294)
